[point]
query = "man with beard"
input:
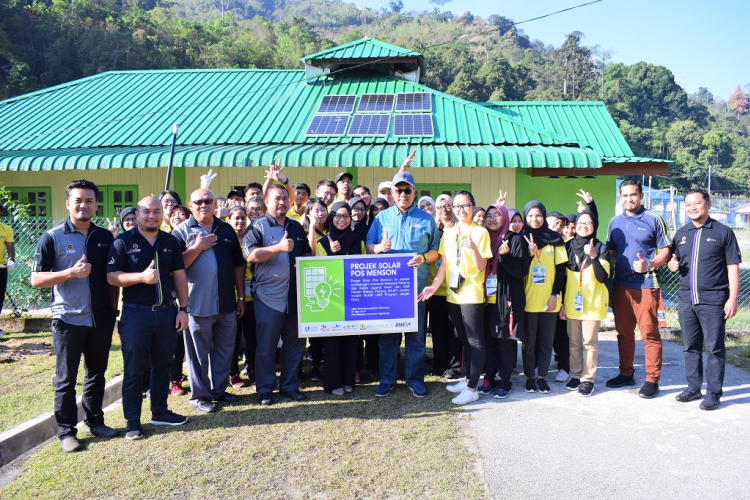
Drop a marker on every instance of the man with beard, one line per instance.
(273, 244)
(147, 264)
(71, 258)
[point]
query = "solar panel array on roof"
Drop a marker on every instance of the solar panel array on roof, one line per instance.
(370, 124)
(413, 125)
(414, 101)
(375, 103)
(325, 125)
(337, 104)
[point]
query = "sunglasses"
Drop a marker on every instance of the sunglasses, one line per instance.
(206, 201)
(404, 190)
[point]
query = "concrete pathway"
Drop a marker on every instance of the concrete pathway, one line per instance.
(615, 444)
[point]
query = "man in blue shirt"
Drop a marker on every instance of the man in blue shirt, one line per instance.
(639, 242)
(707, 256)
(404, 228)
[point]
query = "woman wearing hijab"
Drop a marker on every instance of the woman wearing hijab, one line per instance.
(516, 220)
(585, 301)
(427, 204)
(480, 215)
(376, 206)
(341, 351)
(447, 351)
(464, 251)
(315, 224)
(504, 288)
(359, 217)
(543, 285)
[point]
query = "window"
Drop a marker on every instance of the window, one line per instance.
(113, 199)
(38, 200)
(435, 190)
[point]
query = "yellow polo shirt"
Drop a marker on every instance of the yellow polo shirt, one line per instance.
(537, 295)
(595, 294)
(451, 248)
(6, 236)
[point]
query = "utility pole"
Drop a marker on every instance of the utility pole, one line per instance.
(709, 179)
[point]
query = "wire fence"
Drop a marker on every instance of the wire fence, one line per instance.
(22, 299)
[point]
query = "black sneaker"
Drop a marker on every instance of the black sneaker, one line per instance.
(133, 430)
(711, 402)
(621, 381)
(100, 430)
(688, 395)
(586, 389)
(543, 386)
(168, 418)
(573, 384)
(452, 376)
(294, 395)
(530, 385)
(649, 390)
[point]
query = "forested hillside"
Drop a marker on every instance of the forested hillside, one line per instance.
(48, 42)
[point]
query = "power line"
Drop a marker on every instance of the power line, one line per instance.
(301, 80)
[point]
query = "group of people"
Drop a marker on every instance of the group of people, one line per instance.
(207, 281)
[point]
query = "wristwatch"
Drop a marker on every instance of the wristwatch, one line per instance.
(649, 268)
(241, 298)
(184, 309)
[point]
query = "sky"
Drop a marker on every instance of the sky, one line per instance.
(704, 44)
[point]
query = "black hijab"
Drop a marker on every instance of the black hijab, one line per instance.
(544, 235)
(360, 228)
(351, 243)
(370, 216)
(576, 253)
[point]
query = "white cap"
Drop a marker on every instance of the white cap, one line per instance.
(384, 185)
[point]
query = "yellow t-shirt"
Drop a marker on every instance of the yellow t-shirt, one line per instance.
(595, 294)
(165, 227)
(451, 247)
(443, 288)
(6, 236)
(537, 295)
(292, 214)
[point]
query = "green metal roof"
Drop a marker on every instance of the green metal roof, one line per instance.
(588, 122)
(364, 48)
(303, 155)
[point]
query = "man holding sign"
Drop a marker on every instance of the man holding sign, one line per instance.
(71, 258)
(404, 228)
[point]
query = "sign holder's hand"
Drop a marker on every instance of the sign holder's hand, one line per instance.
(427, 292)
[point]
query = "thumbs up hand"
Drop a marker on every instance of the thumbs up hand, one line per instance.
(673, 264)
(469, 244)
(150, 275)
(286, 244)
(640, 265)
(80, 269)
(590, 250)
(385, 244)
(335, 245)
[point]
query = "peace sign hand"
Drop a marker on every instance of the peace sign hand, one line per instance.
(112, 226)
(501, 198)
(588, 198)
(532, 246)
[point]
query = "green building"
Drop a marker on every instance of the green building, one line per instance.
(359, 107)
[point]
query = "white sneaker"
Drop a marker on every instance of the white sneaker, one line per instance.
(466, 396)
(457, 387)
(562, 376)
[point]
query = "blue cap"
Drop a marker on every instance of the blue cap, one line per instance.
(403, 177)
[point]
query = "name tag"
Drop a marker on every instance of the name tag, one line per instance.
(538, 275)
(491, 285)
(453, 283)
(578, 302)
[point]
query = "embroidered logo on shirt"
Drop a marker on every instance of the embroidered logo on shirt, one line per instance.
(111, 261)
(69, 246)
(710, 239)
(165, 250)
(683, 240)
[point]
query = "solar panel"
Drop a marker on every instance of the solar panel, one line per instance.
(375, 103)
(413, 125)
(337, 104)
(414, 101)
(323, 125)
(371, 124)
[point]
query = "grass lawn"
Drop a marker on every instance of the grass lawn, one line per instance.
(356, 446)
(26, 389)
(738, 350)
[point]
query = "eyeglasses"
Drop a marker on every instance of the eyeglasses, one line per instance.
(131, 220)
(203, 201)
(254, 209)
(358, 209)
(493, 217)
(465, 208)
(587, 224)
(341, 217)
(169, 202)
(406, 191)
(444, 208)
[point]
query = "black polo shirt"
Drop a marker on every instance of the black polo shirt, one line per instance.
(132, 253)
(274, 281)
(213, 270)
(76, 300)
(704, 253)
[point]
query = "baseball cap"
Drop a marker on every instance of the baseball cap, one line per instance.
(384, 185)
(344, 174)
(403, 177)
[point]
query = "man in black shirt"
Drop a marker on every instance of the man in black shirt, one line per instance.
(707, 256)
(71, 258)
(147, 263)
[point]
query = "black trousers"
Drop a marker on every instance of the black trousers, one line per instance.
(179, 359)
(701, 323)
(341, 358)
(500, 352)
(70, 342)
(246, 329)
(3, 286)
(447, 350)
(539, 329)
(561, 345)
(468, 319)
(370, 351)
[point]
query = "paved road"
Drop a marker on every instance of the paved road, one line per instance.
(615, 444)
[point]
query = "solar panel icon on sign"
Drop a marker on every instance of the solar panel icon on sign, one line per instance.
(413, 125)
(375, 103)
(333, 104)
(327, 125)
(414, 101)
(370, 125)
